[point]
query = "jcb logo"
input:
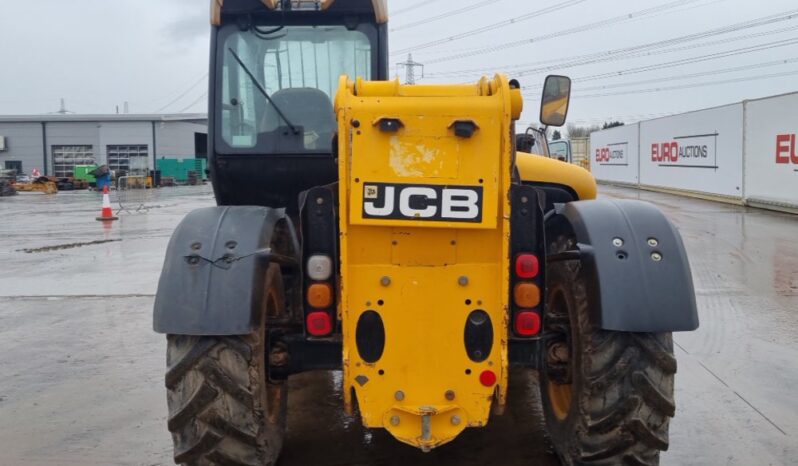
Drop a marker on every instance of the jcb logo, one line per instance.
(414, 202)
(786, 149)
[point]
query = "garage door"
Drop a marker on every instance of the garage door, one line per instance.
(65, 158)
(131, 159)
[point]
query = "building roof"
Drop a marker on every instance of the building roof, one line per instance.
(130, 117)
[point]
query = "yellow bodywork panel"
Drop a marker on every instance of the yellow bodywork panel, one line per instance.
(424, 175)
(545, 170)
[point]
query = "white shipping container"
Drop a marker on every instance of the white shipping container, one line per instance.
(615, 154)
(700, 151)
(771, 150)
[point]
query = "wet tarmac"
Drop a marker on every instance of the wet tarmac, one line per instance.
(81, 372)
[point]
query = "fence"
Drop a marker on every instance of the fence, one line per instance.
(132, 193)
(725, 152)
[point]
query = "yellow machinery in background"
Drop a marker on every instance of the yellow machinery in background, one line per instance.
(40, 185)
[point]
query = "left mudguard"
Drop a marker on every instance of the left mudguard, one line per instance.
(639, 278)
(215, 268)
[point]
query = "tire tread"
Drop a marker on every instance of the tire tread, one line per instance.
(622, 412)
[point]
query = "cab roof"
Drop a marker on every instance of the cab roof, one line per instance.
(379, 8)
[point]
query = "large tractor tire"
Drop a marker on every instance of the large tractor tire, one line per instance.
(607, 396)
(223, 409)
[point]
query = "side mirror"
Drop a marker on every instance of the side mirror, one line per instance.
(556, 98)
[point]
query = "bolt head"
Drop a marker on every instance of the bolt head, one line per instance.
(395, 420)
(656, 257)
(399, 395)
(463, 281)
(319, 200)
(385, 281)
(617, 242)
(449, 395)
(653, 242)
(456, 420)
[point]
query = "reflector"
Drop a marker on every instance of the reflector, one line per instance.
(487, 378)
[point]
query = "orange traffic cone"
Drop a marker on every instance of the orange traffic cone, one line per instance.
(107, 212)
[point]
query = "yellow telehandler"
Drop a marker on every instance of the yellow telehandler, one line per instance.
(395, 233)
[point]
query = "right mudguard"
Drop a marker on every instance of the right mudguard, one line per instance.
(639, 278)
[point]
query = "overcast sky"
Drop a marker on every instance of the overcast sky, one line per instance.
(97, 54)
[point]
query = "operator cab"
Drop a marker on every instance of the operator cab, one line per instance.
(532, 141)
(560, 150)
(274, 73)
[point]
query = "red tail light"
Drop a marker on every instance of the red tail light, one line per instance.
(527, 323)
(319, 324)
(487, 378)
(527, 266)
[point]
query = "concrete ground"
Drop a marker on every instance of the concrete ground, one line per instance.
(81, 372)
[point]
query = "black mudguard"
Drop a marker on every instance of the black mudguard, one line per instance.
(213, 276)
(643, 285)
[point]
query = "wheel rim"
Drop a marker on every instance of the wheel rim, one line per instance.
(275, 392)
(560, 394)
(560, 399)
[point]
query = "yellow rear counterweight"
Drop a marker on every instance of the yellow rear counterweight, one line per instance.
(424, 174)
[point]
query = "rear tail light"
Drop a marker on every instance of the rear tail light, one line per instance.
(527, 323)
(320, 268)
(319, 324)
(527, 266)
(320, 295)
(526, 295)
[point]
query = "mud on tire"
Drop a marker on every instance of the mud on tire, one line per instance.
(612, 402)
(223, 410)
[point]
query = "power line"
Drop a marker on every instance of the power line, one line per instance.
(166, 96)
(678, 49)
(436, 52)
(625, 118)
(702, 58)
(689, 86)
(575, 30)
(185, 93)
(412, 7)
(693, 75)
(493, 26)
(692, 60)
(203, 96)
(448, 14)
(662, 46)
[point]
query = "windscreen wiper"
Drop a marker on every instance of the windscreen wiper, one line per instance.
(263, 91)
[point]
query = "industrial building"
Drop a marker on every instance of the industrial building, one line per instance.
(56, 144)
